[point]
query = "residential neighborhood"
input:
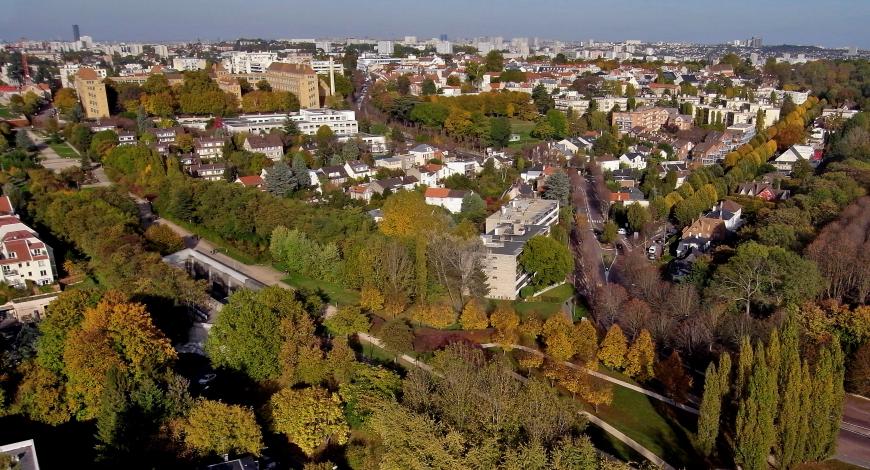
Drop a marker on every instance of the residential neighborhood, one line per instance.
(483, 236)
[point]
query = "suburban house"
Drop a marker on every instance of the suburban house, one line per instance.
(208, 171)
(390, 163)
(506, 234)
(607, 162)
(467, 167)
(624, 177)
(23, 256)
(763, 190)
(208, 148)
(786, 160)
(334, 174)
(680, 169)
(709, 152)
(572, 145)
(267, 144)
(360, 192)
(253, 181)
(682, 148)
(716, 225)
(357, 169)
(633, 160)
(423, 153)
(393, 184)
(429, 174)
(629, 196)
(168, 135)
(450, 199)
(126, 138)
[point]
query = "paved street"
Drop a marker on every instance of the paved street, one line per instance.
(853, 443)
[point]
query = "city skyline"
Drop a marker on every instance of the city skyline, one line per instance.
(669, 21)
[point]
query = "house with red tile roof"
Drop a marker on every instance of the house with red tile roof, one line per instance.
(450, 199)
(253, 181)
(23, 256)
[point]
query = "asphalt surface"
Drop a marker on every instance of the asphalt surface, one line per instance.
(853, 443)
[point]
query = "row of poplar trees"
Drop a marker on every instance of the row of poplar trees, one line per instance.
(779, 406)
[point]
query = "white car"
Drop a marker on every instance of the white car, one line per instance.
(621, 231)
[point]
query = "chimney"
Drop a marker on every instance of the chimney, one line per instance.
(331, 77)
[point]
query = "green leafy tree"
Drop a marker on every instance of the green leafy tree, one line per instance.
(710, 411)
(499, 131)
(309, 417)
(547, 259)
(754, 427)
(347, 320)
(557, 187)
(280, 180)
(397, 335)
(494, 61)
(473, 208)
(428, 87)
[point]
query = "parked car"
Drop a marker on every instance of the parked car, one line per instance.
(621, 231)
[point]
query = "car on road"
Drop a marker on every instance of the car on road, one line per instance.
(652, 251)
(621, 231)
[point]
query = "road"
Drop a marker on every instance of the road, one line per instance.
(853, 443)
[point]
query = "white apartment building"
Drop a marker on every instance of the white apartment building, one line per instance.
(507, 232)
(342, 122)
(444, 47)
(23, 256)
(184, 64)
(248, 62)
(385, 47)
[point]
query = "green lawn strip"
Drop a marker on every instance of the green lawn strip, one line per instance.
(337, 294)
(64, 150)
(557, 294)
(636, 416)
(542, 309)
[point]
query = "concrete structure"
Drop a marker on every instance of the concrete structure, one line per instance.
(647, 118)
(32, 308)
(67, 74)
(92, 93)
(238, 62)
(506, 234)
(222, 280)
(208, 148)
(343, 123)
(385, 47)
(23, 453)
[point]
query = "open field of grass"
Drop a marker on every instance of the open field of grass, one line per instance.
(64, 150)
(337, 294)
(524, 129)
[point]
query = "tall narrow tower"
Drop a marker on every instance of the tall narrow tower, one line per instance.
(76, 35)
(331, 77)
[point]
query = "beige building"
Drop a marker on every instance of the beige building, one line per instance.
(506, 234)
(92, 94)
(646, 118)
(298, 79)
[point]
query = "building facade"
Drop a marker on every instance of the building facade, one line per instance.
(92, 94)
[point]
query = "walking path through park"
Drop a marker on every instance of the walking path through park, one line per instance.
(262, 273)
(605, 377)
(648, 454)
(50, 159)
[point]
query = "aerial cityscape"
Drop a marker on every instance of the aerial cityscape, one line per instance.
(267, 235)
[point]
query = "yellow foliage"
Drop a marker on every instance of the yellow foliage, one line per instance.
(640, 360)
(434, 315)
(473, 316)
(371, 299)
(585, 342)
(506, 323)
(613, 348)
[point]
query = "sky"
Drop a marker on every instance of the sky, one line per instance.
(830, 23)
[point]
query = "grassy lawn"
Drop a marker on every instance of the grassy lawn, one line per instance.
(524, 129)
(64, 150)
(5, 113)
(542, 309)
(635, 415)
(558, 294)
(337, 294)
(219, 243)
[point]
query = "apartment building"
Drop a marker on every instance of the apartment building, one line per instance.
(184, 64)
(651, 118)
(209, 148)
(68, 74)
(343, 123)
(92, 93)
(299, 79)
(23, 256)
(507, 232)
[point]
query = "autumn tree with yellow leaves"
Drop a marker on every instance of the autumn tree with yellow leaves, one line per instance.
(309, 417)
(613, 348)
(473, 316)
(640, 360)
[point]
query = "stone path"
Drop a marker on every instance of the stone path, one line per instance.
(50, 159)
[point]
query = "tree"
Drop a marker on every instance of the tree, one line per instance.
(574, 454)
(499, 131)
(494, 61)
(397, 335)
(348, 320)
(585, 342)
(22, 140)
(558, 122)
(542, 99)
(403, 85)
(859, 372)
(710, 411)
(640, 359)
(638, 217)
(610, 232)
(263, 85)
(65, 100)
(428, 87)
(248, 335)
(350, 151)
(212, 427)
(547, 260)
(557, 187)
(279, 179)
(754, 427)
(613, 349)
(309, 417)
(300, 172)
(40, 395)
(473, 316)
(473, 207)
(673, 376)
(506, 323)
(557, 338)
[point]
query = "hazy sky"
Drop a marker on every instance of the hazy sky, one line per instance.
(810, 22)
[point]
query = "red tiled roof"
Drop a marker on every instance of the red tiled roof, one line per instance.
(250, 181)
(6, 206)
(87, 74)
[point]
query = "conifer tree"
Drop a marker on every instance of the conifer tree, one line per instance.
(711, 406)
(754, 431)
(744, 365)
